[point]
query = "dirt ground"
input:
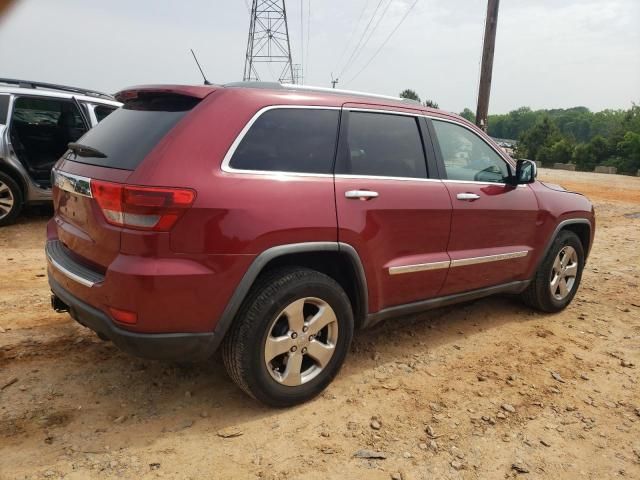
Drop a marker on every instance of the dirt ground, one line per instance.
(489, 389)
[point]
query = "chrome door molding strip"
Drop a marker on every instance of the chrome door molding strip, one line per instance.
(419, 267)
(72, 183)
(463, 262)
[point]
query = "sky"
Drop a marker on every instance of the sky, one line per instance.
(549, 53)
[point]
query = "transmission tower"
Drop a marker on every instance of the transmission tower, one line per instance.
(268, 41)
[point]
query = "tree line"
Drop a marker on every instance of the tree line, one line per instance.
(573, 135)
(567, 135)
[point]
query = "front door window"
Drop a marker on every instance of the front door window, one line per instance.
(467, 157)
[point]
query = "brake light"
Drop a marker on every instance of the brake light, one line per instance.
(142, 208)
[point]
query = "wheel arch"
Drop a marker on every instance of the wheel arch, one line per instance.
(7, 169)
(582, 227)
(339, 261)
(583, 231)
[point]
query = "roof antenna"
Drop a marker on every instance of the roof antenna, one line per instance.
(206, 82)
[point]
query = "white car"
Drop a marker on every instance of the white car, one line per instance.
(37, 121)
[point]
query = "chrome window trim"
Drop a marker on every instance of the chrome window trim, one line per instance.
(72, 183)
(70, 274)
(463, 262)
(225, 167)
(382, 177)
(378, 110)
(473, 182)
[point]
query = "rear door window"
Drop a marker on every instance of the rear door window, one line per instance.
(128, 134)
(299, 140)
(383, 145)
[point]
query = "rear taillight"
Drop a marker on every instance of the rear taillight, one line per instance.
(142, 208)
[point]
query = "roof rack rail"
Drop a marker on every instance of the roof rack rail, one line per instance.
(338, 91)
(53, 86)
(294, 86)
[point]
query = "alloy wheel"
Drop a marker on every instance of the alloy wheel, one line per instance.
(563, 273)
(6, 200)
(301, 341)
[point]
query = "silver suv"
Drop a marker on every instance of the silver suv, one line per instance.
(37, 121)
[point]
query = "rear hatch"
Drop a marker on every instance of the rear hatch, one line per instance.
(92, 200)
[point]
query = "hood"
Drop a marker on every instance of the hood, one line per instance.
(554, 186)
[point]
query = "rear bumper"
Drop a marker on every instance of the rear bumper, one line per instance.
(159, 346)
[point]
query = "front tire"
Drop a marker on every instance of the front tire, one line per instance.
(11, 200)
(290, 337)
(557, 279)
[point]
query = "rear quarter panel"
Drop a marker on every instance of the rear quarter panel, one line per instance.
(235, 212)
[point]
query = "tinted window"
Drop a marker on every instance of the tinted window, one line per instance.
(289, 140)
(102, 112)
(467, 157)
(47, 112)
(4, 109)
(383, 145)
(128, 134)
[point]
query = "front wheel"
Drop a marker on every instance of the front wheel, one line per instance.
(290, 337)
(558, 277)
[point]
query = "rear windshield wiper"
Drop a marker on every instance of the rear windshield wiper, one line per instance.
(85, 150)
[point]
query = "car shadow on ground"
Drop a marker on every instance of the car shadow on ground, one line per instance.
(119, 390)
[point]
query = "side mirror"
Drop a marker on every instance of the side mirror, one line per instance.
(526, 172)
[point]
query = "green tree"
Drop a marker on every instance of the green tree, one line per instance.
(410, 94)
(560, 151)
(431, 103)
(588, 156)
(543, 134)
(629, 147)
(469, 115)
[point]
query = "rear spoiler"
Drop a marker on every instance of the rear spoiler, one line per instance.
(195, 91)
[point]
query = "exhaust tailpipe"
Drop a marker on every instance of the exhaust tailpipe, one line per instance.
(58, 305)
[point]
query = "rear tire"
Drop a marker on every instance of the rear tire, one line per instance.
(557, 279)
(290, 337)
(11, 200)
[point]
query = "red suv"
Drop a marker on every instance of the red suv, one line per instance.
(273, 220)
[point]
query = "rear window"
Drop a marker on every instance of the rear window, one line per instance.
(127, 135)
(301, 140)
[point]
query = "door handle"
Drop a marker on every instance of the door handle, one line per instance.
(361, 194)
(468, 197)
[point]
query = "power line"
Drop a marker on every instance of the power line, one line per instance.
(371, 32)
(302, 38)
(366, 29)
(308, 34)
(353, 30)
(385, 41)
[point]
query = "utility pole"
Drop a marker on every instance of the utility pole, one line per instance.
(268, 40)
(488, 47)
(333, 81)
